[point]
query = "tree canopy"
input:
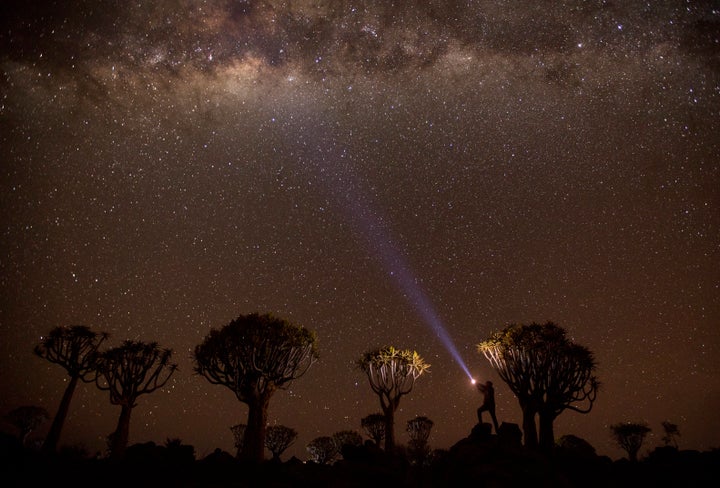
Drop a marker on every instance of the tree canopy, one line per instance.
(392, 372)
(255, 354)
(73, 348)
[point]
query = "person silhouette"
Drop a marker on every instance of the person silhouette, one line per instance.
(488, 403)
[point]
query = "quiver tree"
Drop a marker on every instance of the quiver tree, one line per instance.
(345, 439)
(322, 450)
(671, 434)
(547, 373)
(418, 430)
(630, 436)
(26, 419)
(75, 349)
(278, 438)
(238, 432)
(253, 356)
(374, 427)
(128, 371)
(392, 374)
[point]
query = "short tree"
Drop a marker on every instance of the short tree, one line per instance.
(177, 453)
(392, 374)
(253, 356)
(671, 434)
(418, 430)
(238, 432)
(27, 419)
(345, 438)
(128, 371)
(278, 438)
(575, 446)
(630, 437)
(546, 371)
(322, 450)
(75, 349)
(374, 427)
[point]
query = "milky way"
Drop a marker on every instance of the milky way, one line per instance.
(169, 165)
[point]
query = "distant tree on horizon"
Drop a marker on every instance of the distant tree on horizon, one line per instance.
(374, 427)
(546, 371)
(253, 356)
(278, 438)
(630, 437)
(128, 371)
(671, 433)
(322, 450)
(418, 430)
(576, 445)
(178, 452)
(27, 419)
(392, 373)
(345, 438)
(75, 349)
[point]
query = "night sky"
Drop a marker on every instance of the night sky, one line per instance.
(168, 165)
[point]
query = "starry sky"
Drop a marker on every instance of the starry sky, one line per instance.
(168, 165)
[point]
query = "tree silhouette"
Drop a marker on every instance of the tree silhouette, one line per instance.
(278, 438)
(392, 374)
(238, 432)
(671, 434)
(345, 438)
(418, 430)
(322, 450)
(128, 371)
(374, 427)
(547, 373)
(26, 419)
(630, 436)
(253, 356)
(177, 453)
(74, 348)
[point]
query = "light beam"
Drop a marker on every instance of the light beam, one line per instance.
(369, 226)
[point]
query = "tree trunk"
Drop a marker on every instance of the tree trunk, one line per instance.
(254, 442)
(547, 435)
(51, 441)
(389, 429)
(632, 454)
(122, 434)
(529, 428)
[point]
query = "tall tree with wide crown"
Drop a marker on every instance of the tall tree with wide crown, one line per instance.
(132, 369)
(392, 374)
(75, 349)
(253, 356)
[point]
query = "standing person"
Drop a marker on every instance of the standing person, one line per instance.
(488, 403)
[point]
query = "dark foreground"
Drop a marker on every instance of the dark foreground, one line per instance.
(472, 462)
